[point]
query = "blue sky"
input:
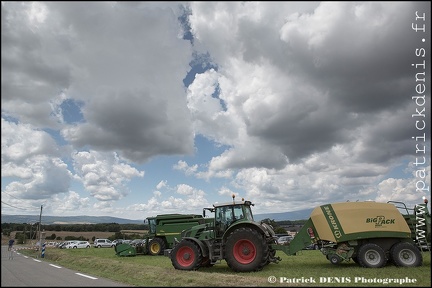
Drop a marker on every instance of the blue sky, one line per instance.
(132, 109)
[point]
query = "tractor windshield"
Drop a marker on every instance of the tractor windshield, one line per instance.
(231, 213)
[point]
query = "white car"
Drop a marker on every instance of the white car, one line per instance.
(78, 244)
(284, 240)
(66, 243)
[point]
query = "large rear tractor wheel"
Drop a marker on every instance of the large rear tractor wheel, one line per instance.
(406, 255)
(186, 255)
(371, 255)
(156, 246)
(246, 250)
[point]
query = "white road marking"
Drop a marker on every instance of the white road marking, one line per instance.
(86, 276)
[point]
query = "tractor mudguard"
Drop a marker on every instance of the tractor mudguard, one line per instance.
(203, 247)
(263, 228)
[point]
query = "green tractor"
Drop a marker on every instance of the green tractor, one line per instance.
(232, 235)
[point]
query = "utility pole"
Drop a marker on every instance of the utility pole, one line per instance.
(40, 233)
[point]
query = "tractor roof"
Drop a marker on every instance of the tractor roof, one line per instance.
(248, 203)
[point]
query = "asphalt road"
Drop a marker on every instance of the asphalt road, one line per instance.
(24, 271)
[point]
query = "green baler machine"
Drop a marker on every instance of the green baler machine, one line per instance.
(369, 233)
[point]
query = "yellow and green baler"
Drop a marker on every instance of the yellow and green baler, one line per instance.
(369, 233)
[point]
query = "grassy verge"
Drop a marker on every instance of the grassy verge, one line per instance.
(309, 268)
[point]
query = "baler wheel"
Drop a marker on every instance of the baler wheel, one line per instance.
(186, 255)
(371, 255)
(334, 259)
(406, 255)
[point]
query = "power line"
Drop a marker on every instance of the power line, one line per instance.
(32, 208)
(10, 195)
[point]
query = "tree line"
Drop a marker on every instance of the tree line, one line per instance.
(115, 228)
(7, 228)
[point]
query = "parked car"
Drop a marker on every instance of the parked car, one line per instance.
(103, 243)
(65, 243)
(51, 244)
(138, 242)
(313, 246)
(117, 241)
(78, 244)
(317, 246)
(284, 239)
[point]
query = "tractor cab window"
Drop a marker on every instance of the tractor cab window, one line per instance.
(223, 218)
(227, 215)
(238, 212)
(152, 226)
(248, 213)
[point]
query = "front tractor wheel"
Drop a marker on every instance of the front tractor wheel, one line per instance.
(246, 250)
(406, 255)
(186, 255)
(371, 255)
(156, 246)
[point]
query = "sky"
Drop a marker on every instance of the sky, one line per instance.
(133, 109)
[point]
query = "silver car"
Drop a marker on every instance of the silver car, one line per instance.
(103, 243)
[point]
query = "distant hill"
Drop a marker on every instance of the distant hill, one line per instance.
(284, 216)
(49, 220)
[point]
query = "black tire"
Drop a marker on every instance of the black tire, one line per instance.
(206, 262)
(371, 255)
(334, 259)
(246, 250)
(406, 255)
(186, 255)
(272, 255)
(156, 246)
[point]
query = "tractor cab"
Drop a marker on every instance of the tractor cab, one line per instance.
(152, 225)
(229, 213)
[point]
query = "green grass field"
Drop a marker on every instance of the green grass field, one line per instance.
(309, 268)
